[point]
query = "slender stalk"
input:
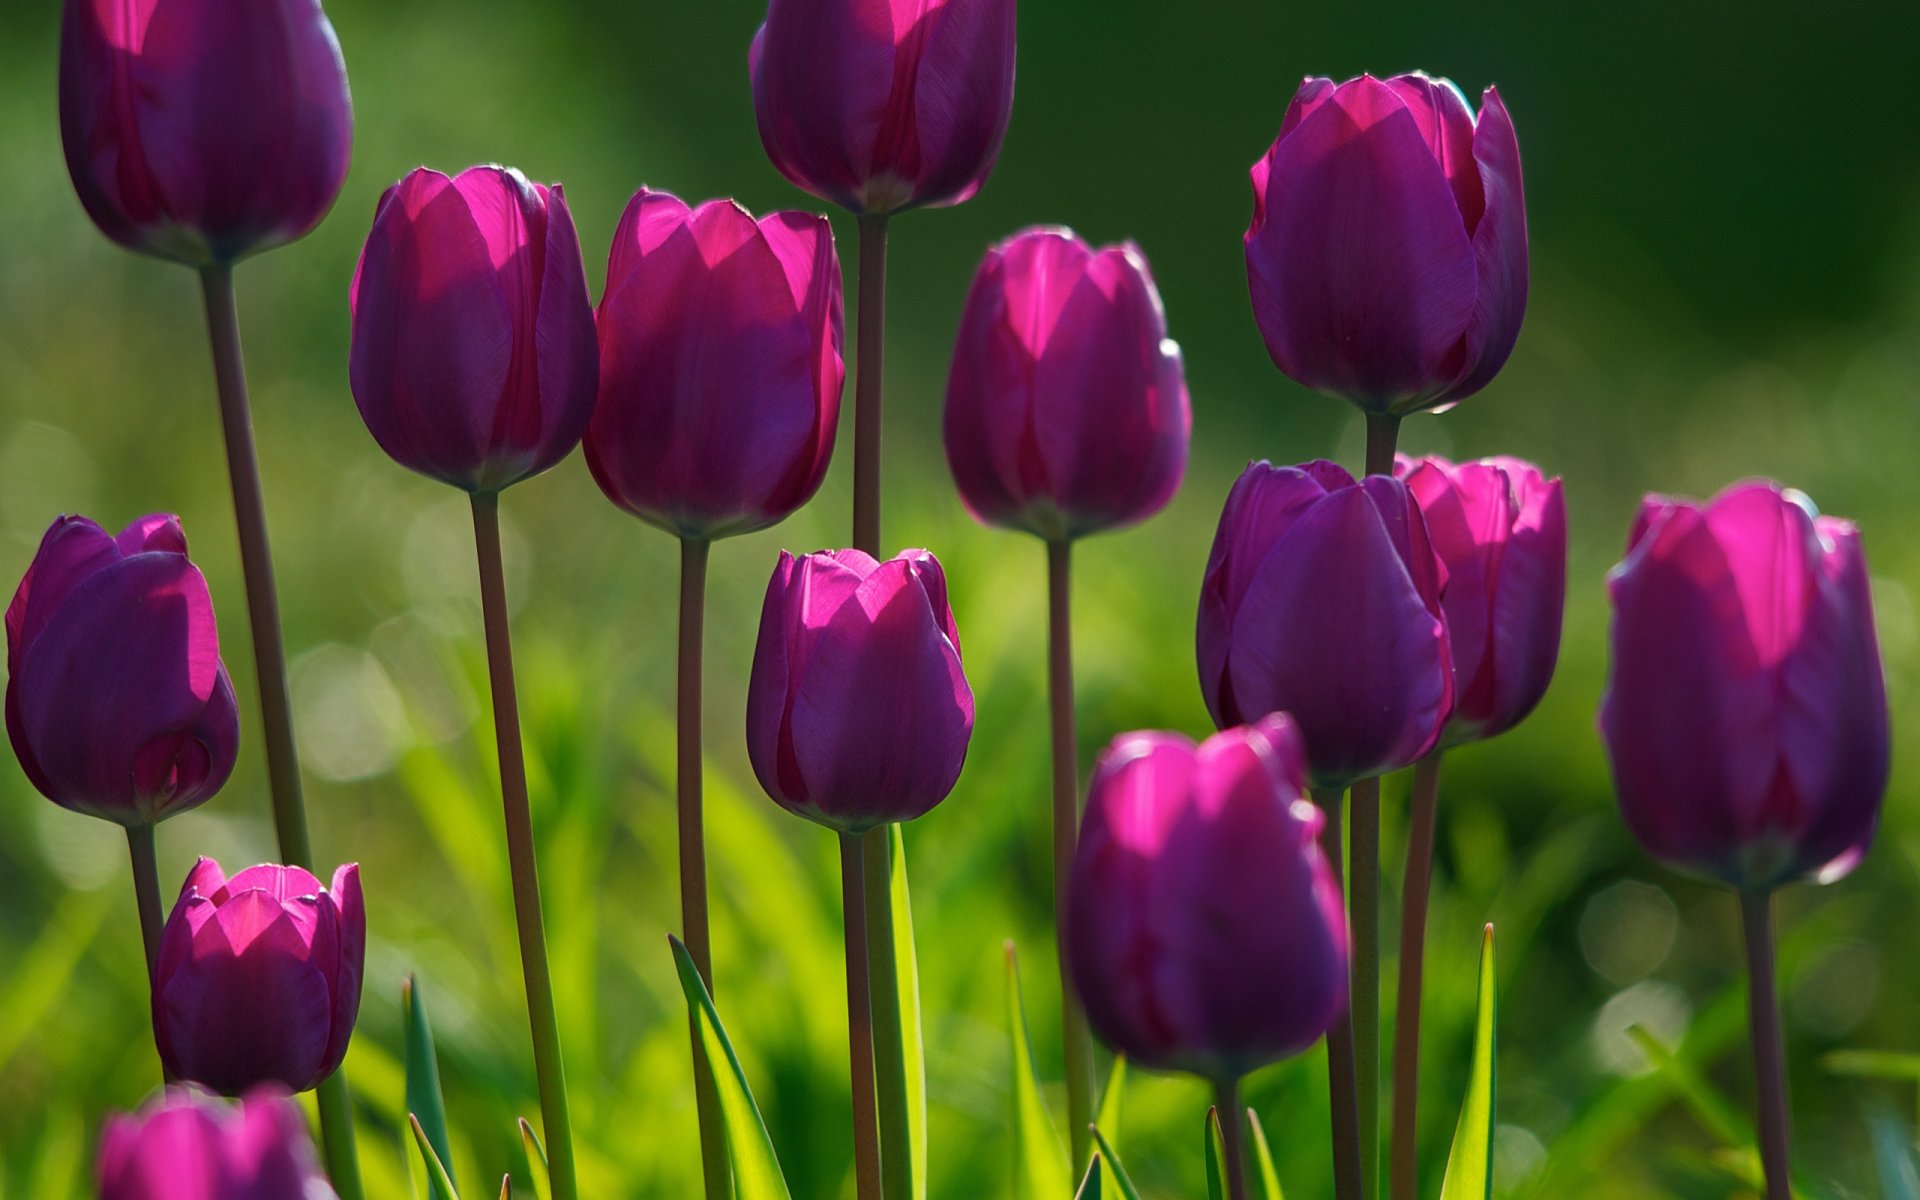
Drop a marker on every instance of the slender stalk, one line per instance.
(871, 352)
(889, 1048)
(1363, 902)
(1342, 1079)
(1763, 1025)
(1403, 1163)
(866, 1130)
(1066, 818)
(1383, 436)
(270, 661)
(693, 852)
(520, 853)
(146, 892)
(1233, 1123)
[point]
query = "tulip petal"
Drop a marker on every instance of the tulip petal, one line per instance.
(961, 99)
(1446, 123)
(1499, 250)
(555, 413)
(822, 76)
(351, 920)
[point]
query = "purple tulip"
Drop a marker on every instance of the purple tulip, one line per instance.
(720, 367)
(1499, 527)
(858, 712)
(1205, 931)
(1067, 406)
(1746, 715)
(203, 130)
(259, 977)
(186, 1145)
(117, 702)
(1388, 251)
(1322, 599)
(473, 359)
(880, 105)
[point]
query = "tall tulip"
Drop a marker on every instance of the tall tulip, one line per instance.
(185, 1145)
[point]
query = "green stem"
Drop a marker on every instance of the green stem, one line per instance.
(1403, 1165)
(1342, 1085)
(520, 850)
(866, 1131)
(889, 1044)
(872, 319)
(1769, 1056)
(693, 852)
(1077, 1042)
(146, 895)
(1383, 436)
(1233, 1123)
(1363, 874)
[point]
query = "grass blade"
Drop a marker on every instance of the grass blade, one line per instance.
(1121, 1184)
(1108, 1118)
(1091, 1186)
(1470, 1164)
(424, 1098)
(1216, 1158)
(436, 1170)
(1263, 1158)
(907, 967)
(756, 1169)
(536, 1161)
(1040, 1170)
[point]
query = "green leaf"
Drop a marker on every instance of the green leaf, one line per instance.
(436, 1170)
(1874, 1064)
(756, 1169)
(1040, 1170)
(1216, 1158)
(506, 1187)
(424, 1099)
(1108, 1118)
(1470, 1163)
(1121, 1183)
(536, 1161)
(1893, 1155)
(907, 972)
(1263, 1158)
(1090, 1187)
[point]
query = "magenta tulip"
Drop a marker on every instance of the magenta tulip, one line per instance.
(880, 105)
(858, 712)
(1067, 406)
(117, 702)
(1322, 599)
(186, 1145)
(1499, 528)
(473, 358)
(1205, 930)
(1746, 715)
(720, 367)
(203, 130)
(1388, 251)
(259, 977)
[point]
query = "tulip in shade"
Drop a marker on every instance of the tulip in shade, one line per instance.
(473, 357)
(186, 1145)
(1322, 599)
(720, 365)
(858, 712)
(1499, 527)
(259, 977)
(203, 130)
(880, 105)
(1746, 715)
(1205, 931)
(1067, 407)
(1388, 251)
(117, 702)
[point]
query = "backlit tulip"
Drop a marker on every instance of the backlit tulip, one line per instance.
(1205, 931)
(259, 977)
(203, 130)
(720, 367)
(880, 105)
(186, 1145)
(1388, 251)
(117, 702)
(1322, 599)
(473, 358)
(1067, 404)
(858, 712)
(1500, 528)
(1746, 715)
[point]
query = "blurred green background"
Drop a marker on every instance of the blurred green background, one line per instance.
(1726, 282)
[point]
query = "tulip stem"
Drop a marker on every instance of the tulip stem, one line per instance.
(1364, 902)
(1066, 817)
(520, 852)
(693, 851)
(1233, 1118)
(1383, 438)
(866, 1128)
(1342, 1082)
(1404, 1170)
(1763, 1025)
(146, 895)
(871, 355)
(270, 660)
(889, 1045)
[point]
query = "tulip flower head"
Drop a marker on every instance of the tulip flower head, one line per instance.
(1387, 257)
(118, 705)
(187, 1145)
(1746, 714)
(1499, 527)
(203, 130)
(473, 358)
(858, 712)
(259, 977)
(720, 365)
(1205, 930)
(1067, 408)
(881, 105)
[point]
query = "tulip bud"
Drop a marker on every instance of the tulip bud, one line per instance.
(877, 105)
(1205, 931)
(1499, 528)
(203, 130)
(720, 367)
(1746, 715)
(858, 712)
(186, 1145)
(1388, 251)
(1067, 406)
(259, 977)
(118, 705)
(1322, 599)
(473, 357)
